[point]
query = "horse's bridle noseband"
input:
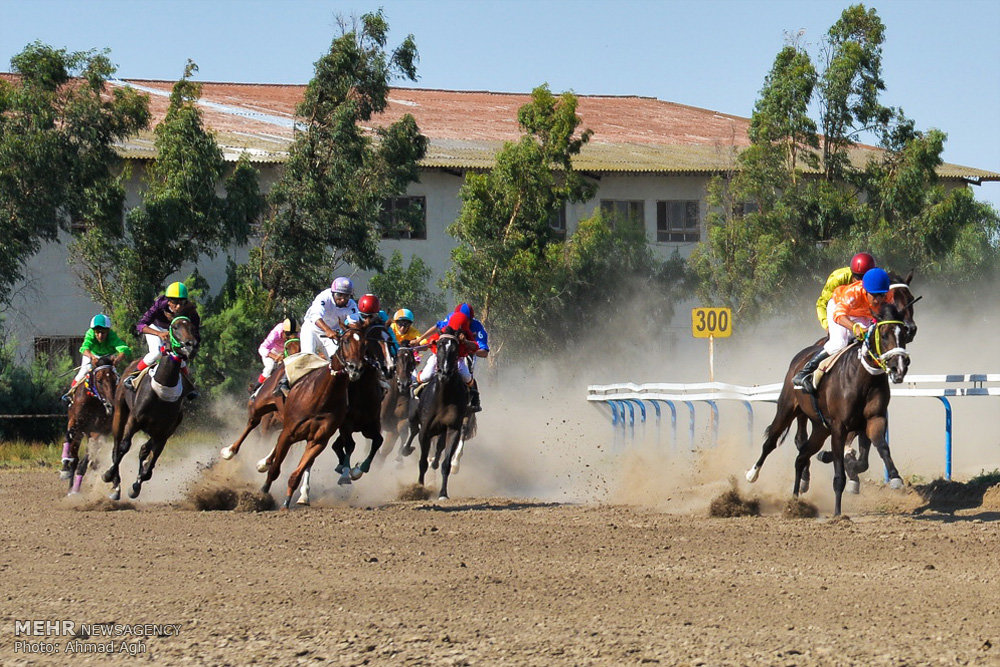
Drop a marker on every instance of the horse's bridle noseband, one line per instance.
(880, 359)
(90, 384)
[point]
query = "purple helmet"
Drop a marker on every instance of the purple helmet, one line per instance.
(342, 285)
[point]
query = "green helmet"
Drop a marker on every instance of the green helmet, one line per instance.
(177, 291)
(100, 320)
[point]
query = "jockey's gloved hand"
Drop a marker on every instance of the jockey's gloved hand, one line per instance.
(859, 330)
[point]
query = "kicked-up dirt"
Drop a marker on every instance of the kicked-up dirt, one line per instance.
(496, 581)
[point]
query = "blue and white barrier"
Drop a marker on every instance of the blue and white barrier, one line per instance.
(626, 395)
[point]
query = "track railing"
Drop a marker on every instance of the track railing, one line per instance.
(627, 396)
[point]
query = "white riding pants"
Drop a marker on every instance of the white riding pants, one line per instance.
(840, 337)
(154, 343)
(268, 365)
(84, 369)
(428, 371)
(314, 341)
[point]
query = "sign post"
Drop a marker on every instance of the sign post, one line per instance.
(711, 323)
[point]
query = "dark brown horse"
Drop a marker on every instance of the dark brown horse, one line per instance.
(155, 406)
(316, 407)
(441, 411)
(853, 398)
(398, 404)
(265, 405)
(90, 415)
(856, 463)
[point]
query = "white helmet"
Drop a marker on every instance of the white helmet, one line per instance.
(100, 320)
(342, 285)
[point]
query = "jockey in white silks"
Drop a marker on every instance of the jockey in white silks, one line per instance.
(328, 312)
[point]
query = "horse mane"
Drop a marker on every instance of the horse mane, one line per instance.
(187, 309)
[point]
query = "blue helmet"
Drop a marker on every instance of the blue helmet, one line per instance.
(876, 281)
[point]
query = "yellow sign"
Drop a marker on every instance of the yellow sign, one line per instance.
(711, 322)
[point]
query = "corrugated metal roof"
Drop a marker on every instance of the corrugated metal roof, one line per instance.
(465, 129)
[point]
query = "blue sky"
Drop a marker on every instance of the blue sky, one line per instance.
(941, 59)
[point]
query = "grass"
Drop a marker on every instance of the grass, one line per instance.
(22, 454)
(986, 478)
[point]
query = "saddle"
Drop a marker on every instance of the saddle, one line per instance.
(827, 364)
(298, 365)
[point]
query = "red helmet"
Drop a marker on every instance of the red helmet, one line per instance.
(458, 321)
(862, 263)
(369, 304)
(467, 309)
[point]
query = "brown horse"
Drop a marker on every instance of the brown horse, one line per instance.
(265, 405)
(398, 403)
(853, 398)
(856, 463)
(441, 411)
(90, 414)
(315, 408)
(155, 406)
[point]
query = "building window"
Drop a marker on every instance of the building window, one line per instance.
(741, 209)
(404, 218)
(678, 222)
(632, 210)
(558, 222)
(58, 347)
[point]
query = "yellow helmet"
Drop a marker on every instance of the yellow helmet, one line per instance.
(177, 291)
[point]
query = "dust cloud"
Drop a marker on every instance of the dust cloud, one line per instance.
(539, 439)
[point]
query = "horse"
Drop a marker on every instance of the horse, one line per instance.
(853, 398)
(263, 406)
(902, 297)
(90, 414)
(316, 407)
(155, 406)
(441, 411)
(398, 403)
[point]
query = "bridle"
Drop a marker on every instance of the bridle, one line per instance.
(875, 361)
(443, 371)
(90, 384)
(176, 344)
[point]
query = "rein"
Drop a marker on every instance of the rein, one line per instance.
(174, 343)
(284, 349)
(90, 385)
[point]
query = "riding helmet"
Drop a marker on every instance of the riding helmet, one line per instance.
(176, 291)
(466, 309)
(290, 326)
(862, 263)
(100, 320)
(369, 304)
(403, 315)
(342, 285)
(876, 281)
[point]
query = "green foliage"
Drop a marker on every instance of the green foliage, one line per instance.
(182, 218)
(326, 210)
(33, 389)
(57, 162)
(399, 287)
(986, 479)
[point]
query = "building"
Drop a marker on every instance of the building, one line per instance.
(651, 159)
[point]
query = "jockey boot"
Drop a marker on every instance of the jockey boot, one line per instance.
(803, 379)
(474, 404)
(282, 388)
(129, 381)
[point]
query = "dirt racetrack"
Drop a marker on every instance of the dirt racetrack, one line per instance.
(487, 581)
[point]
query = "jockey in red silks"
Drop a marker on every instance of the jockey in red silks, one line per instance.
(458, 323)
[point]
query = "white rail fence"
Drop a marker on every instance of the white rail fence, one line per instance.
(632, 398)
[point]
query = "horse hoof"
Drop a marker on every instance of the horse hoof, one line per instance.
(825, 457)
(134, 491)
(65, 474)
(803, 486)
(442, 497)
(288, 502)
(752, 474)
(406, 451)
(263, 465)
(108, 476)
(344, 480)
(115, 495)
(227, 453)
(356, 473)
(895, 483)
(853, 486)
(302, 501)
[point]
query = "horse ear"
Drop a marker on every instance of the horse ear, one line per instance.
(909, 277)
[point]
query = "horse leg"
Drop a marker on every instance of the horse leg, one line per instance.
(453, 437)
(265, 463)
(81, 469)
(342, 447)
(304, 487)
(801, 436)
(234, 449)
(425, 449)
(71, 450)
(374, 433)
(839, 476)
(782, 420)
(875, 431)
(811, 446)
(118, 450)
(148, 455)
(308, 456)
(277, 457)
(407, 449)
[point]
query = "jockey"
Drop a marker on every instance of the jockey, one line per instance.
(860, 264)
(372, 314)
(99, 341)
(850, 311)
(402, 326)
(457, 323)
(272, 350)
(328, 312)
(155, 326)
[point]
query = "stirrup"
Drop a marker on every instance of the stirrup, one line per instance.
(283, 387)
(67, 398)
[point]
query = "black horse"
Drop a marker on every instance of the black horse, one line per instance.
(902, 297)
(90, 415)
(155, 406)
(398, 404)
(852, 398)
(442, 408)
